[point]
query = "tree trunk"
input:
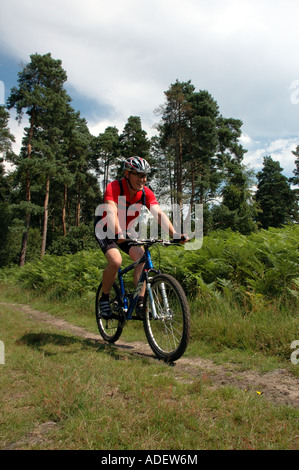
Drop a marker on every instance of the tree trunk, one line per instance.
(64, 210)
(28, 199)
(46, 210)
(24, 241)
(78, 207)
(180, 172)
(192, 188)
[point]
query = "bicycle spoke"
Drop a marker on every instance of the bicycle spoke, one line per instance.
(110, 329)
(168, 333)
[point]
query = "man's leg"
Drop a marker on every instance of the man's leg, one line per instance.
(136, 252)
(114, 259)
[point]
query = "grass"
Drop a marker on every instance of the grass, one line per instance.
(267, 331)
(219, 327)
(62, 392)
(58, 391)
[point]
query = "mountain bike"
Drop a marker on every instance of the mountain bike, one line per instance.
(165, 314)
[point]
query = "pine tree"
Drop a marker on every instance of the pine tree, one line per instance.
(200, 161)
(6, 139)
(238, 209)
(175, 133)
(79, 161)
(40, 92)
(274, 196)
(198, 144)
(295, 179)
(133, 139)
(6, 216)
(107, 148)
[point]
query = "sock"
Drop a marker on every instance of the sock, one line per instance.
(105, 296)
(140, 300)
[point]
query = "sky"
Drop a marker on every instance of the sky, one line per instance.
(120, 57)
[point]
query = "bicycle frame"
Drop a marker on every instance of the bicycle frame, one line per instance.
(148, 267)
(166, 315)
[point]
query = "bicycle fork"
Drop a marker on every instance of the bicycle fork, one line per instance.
(164, 298)
(150, 292)
(151, 297)
(166, 307)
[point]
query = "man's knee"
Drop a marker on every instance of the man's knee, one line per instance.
(136, 252)
(114, 259)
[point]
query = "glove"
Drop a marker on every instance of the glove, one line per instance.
(184, 237)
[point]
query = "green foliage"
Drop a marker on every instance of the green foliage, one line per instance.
(246, 269)
(5, 221)
(243, 291)
(240, 267)
(133, 139)
(275, 196)
(76, 240)
(54, 167)
(11, 236)
(196, 158)
(295, 179)
(61, 391)
(197, 143)
(66, 275)
(6, 138)
(238, 210)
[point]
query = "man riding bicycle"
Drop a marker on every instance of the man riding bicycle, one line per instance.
(118, 220)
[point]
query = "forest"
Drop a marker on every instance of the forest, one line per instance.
(47, 201)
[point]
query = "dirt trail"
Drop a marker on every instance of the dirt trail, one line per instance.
(278, 386)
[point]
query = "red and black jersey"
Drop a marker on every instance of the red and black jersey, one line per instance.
(118, 192)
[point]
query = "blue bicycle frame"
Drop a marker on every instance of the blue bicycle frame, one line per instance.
(148, 266)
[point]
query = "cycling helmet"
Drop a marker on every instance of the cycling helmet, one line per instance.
(137, 164)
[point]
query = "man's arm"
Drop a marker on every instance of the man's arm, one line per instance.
(113, 220)
(165, 223)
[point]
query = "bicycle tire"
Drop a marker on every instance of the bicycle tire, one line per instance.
(111, 329)
(168, 336)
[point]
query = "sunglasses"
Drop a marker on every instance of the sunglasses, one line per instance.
(139, 175)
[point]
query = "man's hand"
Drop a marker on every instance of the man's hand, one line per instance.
(184, 238)
(181, 238)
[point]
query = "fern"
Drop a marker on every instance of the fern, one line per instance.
(236, 266)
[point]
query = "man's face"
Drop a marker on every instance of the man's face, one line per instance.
(137, 180)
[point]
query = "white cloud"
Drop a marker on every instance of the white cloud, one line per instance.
(17, 130)
(245, 140)
(124, 54)
(279, 149)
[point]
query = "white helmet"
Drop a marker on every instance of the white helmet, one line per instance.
(137, 164)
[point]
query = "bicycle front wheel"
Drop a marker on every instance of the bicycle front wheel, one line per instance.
(168, 334)
(110, 329)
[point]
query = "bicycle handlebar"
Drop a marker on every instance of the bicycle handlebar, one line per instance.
(152, 241)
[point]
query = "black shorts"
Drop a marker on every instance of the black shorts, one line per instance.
(106, 244)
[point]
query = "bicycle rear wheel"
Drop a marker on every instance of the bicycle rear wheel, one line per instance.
(168, 335)
(111, 329)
